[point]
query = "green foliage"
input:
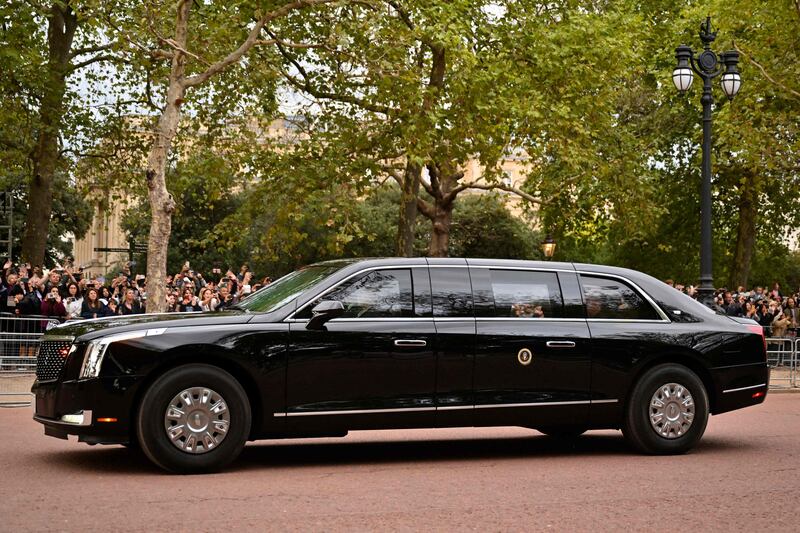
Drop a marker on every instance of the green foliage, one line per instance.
(71, 216)
(207, 190)
(583, 89)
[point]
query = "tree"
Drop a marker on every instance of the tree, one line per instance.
(71, 215)
(198, 52)
(441, 83)
(43, 119)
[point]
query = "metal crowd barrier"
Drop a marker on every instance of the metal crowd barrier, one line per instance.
(782, 359)
(19, 346)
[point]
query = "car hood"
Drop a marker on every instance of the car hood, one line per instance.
(98, 327)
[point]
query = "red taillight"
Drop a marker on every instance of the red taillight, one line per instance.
(757, 395)
(760, 331)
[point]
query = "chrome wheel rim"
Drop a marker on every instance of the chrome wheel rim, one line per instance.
(671, 411)
(197, 420)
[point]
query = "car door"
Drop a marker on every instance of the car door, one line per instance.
(454, 319)
(532, 356)
(372, 367)
(627, 328)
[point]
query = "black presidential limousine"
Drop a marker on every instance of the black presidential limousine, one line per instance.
(404, 343)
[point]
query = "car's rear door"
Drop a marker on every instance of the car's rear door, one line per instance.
(532, 357)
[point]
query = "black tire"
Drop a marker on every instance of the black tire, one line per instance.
(150, 423)
(562, 432)
(637, 426)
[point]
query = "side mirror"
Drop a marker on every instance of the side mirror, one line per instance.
(324, 311)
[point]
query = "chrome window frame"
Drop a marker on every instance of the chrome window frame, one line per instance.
(637, 289)
(291, 317)
(643, 294)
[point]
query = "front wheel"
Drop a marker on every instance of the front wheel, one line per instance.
(193, 419)
(667, 411)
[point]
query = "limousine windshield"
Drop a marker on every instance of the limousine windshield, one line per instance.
(283, 290)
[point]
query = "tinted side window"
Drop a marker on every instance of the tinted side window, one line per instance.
(376, 294)
(452, 292)
(526, 294)
(609, 298)
(422, 292)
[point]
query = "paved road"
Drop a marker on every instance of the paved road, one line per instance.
(744, 476)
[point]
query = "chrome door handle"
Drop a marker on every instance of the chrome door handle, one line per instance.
(410, 342)
(560, 344)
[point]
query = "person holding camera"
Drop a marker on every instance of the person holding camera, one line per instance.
(208, 302)
(52, 304)
(226, 299)
(31, 303)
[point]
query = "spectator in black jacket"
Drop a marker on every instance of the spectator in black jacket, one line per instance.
(130, 305)
(189, 303)
(92, 306)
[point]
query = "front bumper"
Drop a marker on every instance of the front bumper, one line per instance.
(96, 410)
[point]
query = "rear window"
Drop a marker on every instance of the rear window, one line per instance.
(611, 298)
(526, 294)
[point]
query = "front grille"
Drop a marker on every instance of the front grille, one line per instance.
(51, 360)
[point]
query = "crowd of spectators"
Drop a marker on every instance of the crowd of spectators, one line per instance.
(68, 293)
(774, 310)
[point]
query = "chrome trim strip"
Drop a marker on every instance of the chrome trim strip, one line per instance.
(358, 411)
(526, 319)
(662, 314)
(46, 337)
(504, 267)
(398, 319)
(442, 408)
(534, 404)
(745, 388)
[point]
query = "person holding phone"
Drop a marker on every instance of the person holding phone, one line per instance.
(52, 304)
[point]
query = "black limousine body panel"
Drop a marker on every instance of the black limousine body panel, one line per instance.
(455, 348)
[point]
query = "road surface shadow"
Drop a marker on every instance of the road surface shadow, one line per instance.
(310, 453)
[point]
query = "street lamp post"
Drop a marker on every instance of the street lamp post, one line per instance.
(549, 247)
(707, 66)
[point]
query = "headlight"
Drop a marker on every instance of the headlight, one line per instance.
(96, 350)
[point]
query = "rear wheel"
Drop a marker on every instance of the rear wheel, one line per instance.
(667, 411)
(193, 419)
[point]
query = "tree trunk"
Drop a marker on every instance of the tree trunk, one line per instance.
(409, 198)
(746, 233)
(440, 236)
(408, 210)
(61, 26)
(440, 210)
(162, 204)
